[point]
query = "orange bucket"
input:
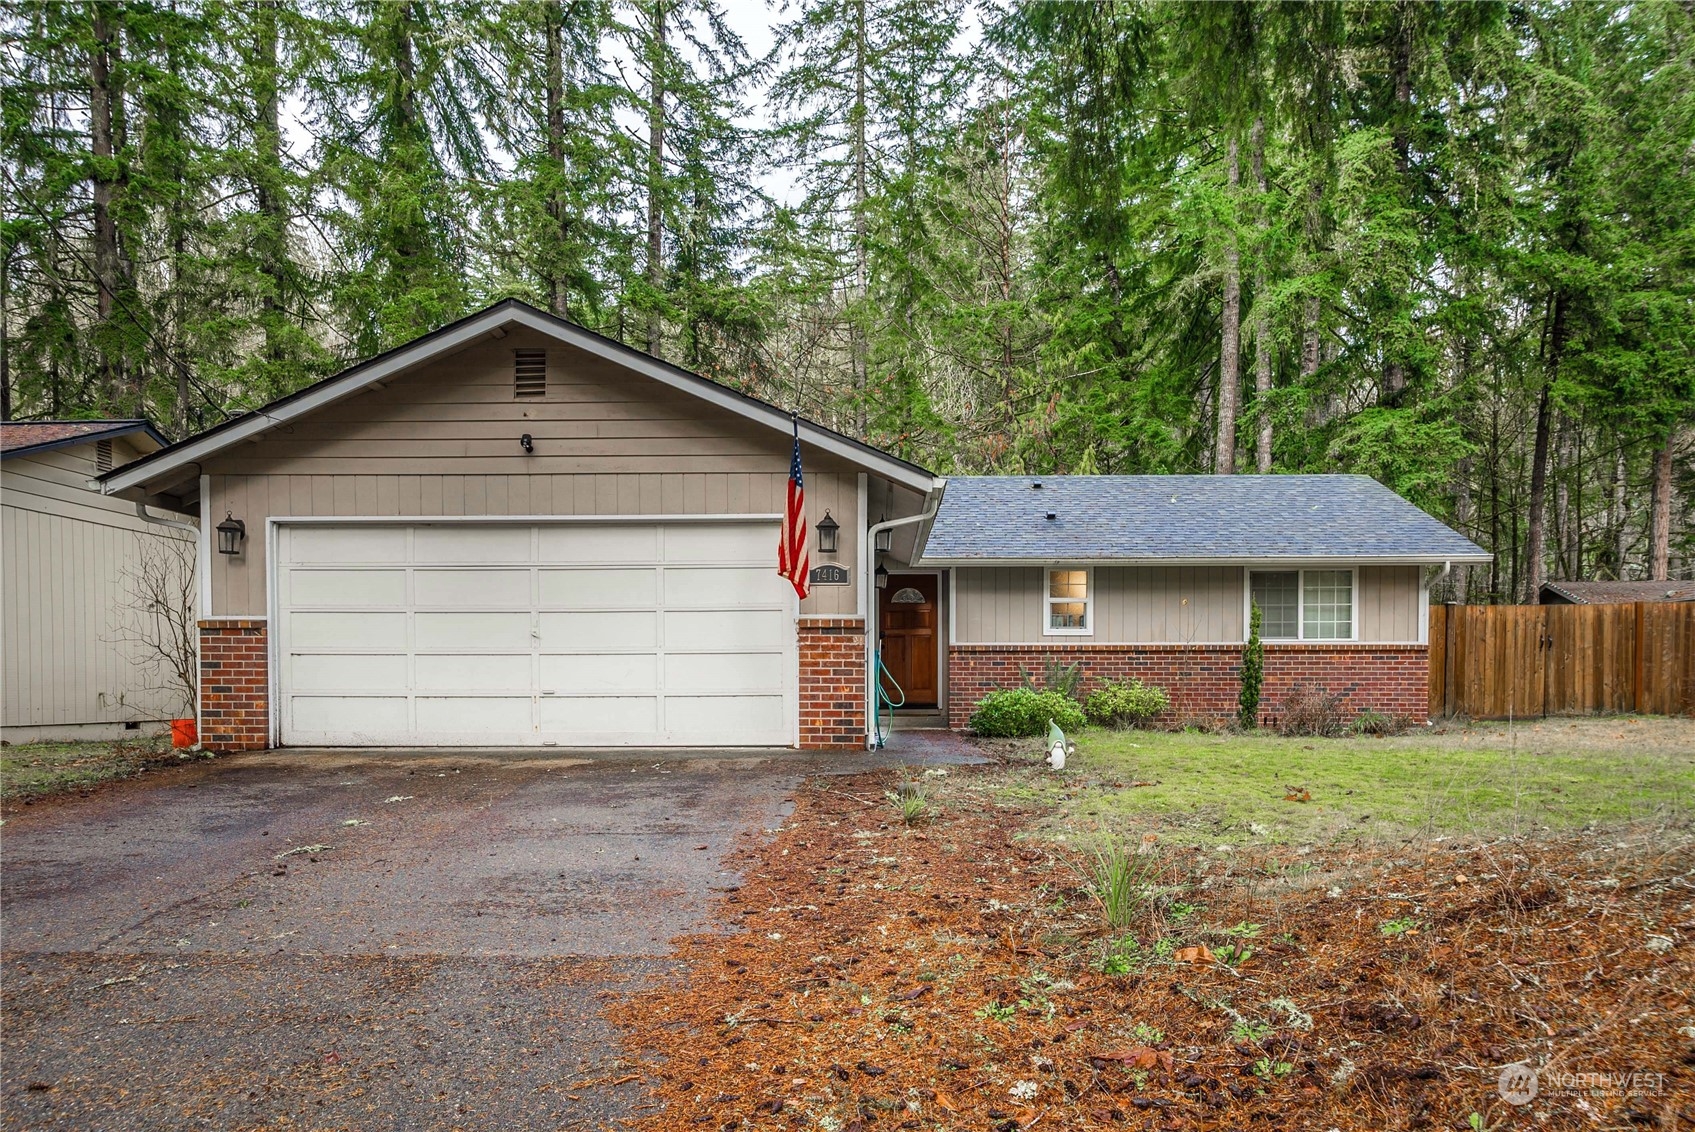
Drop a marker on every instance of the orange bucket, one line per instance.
(184, 733)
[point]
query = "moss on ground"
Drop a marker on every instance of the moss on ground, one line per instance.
(39, 770)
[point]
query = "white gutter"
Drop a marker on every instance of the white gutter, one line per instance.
(868, 577)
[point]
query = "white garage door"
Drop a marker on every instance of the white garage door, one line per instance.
(576, 634)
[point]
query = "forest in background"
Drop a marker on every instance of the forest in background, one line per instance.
(1447, 245)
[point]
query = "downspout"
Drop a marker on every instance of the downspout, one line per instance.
(868, 577)
(141, 513)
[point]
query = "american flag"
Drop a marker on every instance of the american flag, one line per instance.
(793, 561)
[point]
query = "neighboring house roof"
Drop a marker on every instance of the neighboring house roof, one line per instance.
(1604, 593)
(455, 336)
(20, 437)
(1185, 519)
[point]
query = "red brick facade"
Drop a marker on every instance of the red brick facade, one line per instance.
(235, 699)
(832, 682)
(1205, 679)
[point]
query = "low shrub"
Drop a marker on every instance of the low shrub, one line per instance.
(1125, 705)
(1378, 724)
(1311, 711)
(1009, 713)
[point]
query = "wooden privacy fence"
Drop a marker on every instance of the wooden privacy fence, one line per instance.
(1501, 661)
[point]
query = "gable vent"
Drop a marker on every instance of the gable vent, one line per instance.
(529, 373)
(102, 455)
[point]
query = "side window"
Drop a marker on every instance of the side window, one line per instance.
(1277, 593)
(1068, 602)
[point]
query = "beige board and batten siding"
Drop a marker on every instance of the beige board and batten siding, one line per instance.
(64, 553)
(443, 441)
(1159, 605)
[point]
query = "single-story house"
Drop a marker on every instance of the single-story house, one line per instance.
(73, 666)
(1613, 593)
(516, 531)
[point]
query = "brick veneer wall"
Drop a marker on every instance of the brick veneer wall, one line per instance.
(832, 682)
(1205, 679)
(235, 699)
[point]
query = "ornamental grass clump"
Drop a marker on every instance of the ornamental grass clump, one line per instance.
(1120, 882)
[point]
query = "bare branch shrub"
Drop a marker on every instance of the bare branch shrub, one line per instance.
(156, 619)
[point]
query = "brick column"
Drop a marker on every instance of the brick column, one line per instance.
(235, 698)
(832, 683)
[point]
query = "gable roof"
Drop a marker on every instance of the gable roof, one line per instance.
(1603, 593)
(159, 467)
(18, 438)
(1186, 519)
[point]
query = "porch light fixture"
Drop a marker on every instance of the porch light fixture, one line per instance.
(885, 538)
(230, 533)
(526, 443)
(882, 577)
(827, 529)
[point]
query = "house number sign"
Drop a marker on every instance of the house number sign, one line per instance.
(829, 575)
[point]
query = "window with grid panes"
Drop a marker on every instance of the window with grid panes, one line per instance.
(1068, 601)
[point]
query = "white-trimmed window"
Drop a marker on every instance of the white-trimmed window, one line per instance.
(1068, 606)
(1304, 605)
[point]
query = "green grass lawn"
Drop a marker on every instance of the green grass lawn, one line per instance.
(36, 770)
(1485, 780)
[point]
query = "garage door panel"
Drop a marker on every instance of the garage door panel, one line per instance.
(603, 715)
(479, 673)
(463, 634)
(471, 631)
(349, 715)
(385, 631)
(354, 589)
(627, 588)
(591, 632)
(346, 545)
(761, 719)
(724, 630)
(599, 672)
(720, 542)
(459, 588)
(481, 715)
(334, 672)
(570, 542)
(710, 586)
(471, 543)
(724, 672)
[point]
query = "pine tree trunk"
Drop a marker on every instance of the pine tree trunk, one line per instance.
(558, 293)
(861, 228)
(1659, 539)
(1536, 519)
(1621, 514)
(1461, 586)
(107, 188)
(655, 177)
(1230, 338)
(1262, 317)
(270, 244)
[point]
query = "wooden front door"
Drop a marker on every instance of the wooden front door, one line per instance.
(908, 621)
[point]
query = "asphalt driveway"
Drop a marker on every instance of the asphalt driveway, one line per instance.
(329, 940)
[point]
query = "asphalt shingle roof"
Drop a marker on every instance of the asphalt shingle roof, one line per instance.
(23, 436)
(1184, 517)
(1603, 593)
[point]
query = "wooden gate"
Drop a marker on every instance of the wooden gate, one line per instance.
(1509, 661)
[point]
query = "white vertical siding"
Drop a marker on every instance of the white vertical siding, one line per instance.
(64, 550)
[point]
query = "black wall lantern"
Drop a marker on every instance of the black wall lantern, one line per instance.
(885, 537)
(827, 528)
(882, 577)
(230, 533)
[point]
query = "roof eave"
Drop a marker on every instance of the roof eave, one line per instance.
(456, 336)
(1215, 560)
(126, 428)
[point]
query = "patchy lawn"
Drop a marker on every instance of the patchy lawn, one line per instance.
(40, 770)
(958, 972)
(1485, 780)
